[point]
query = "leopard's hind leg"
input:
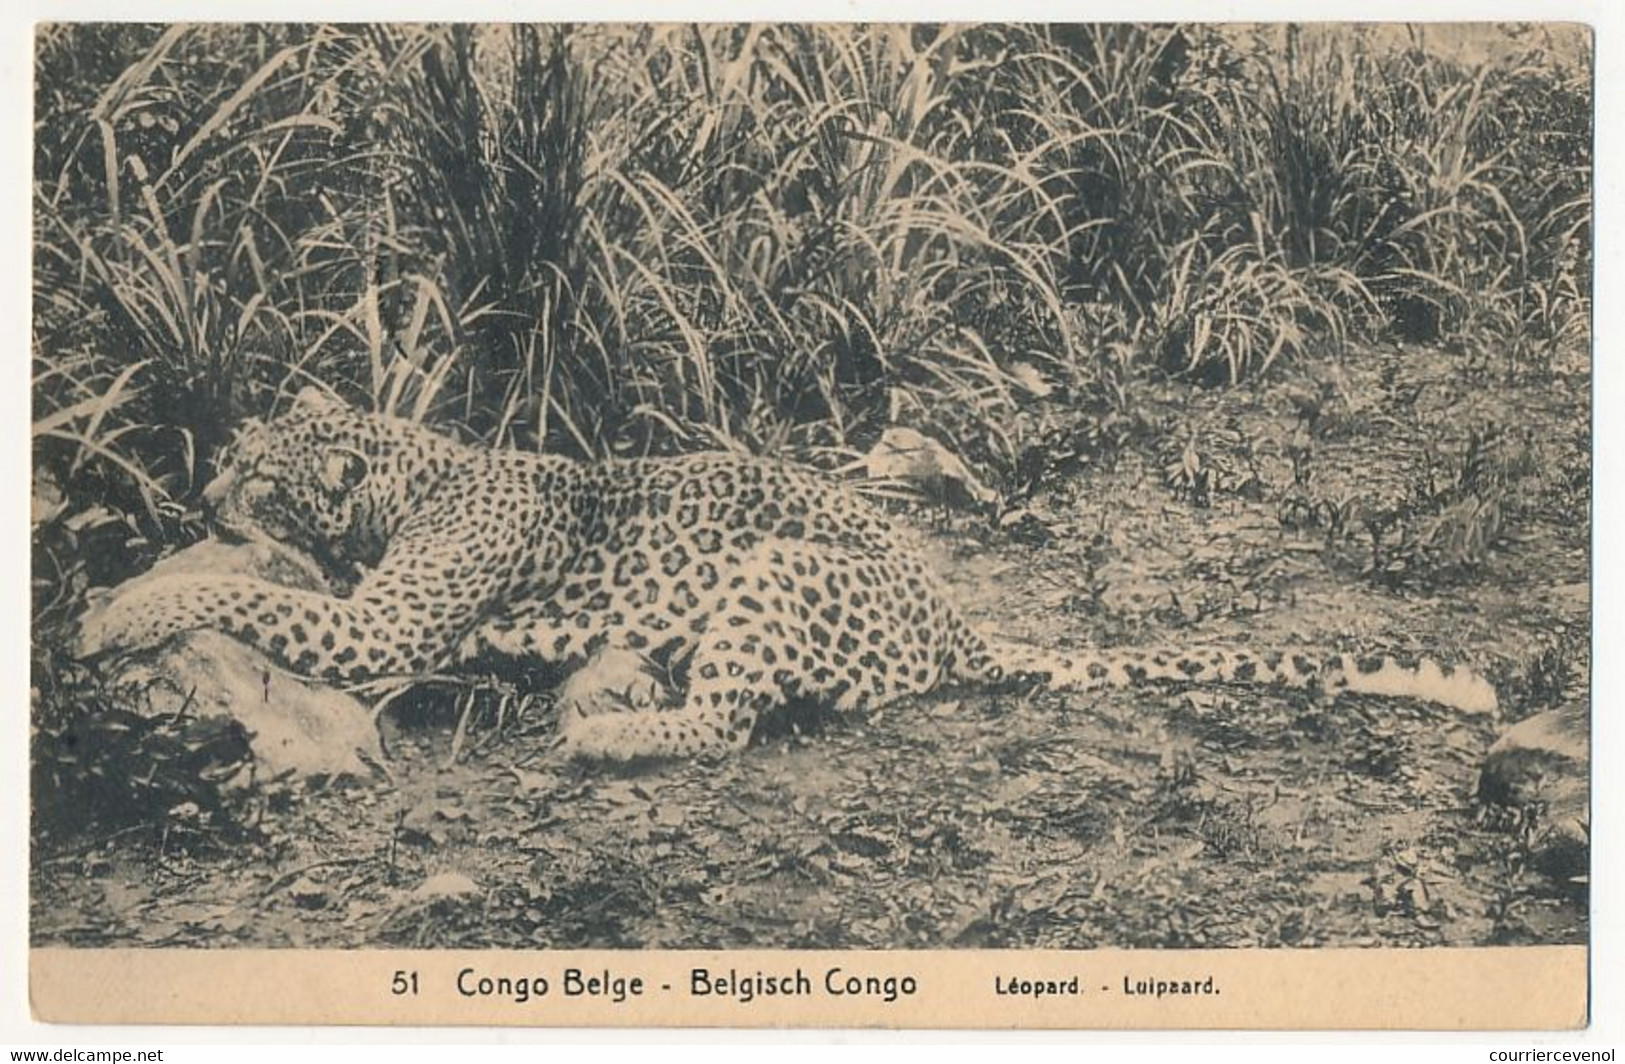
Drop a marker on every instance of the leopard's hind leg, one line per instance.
(848, 627)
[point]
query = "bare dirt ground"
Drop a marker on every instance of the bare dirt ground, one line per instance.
(1151, 817)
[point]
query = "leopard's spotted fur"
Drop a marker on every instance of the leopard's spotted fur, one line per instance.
(770, 581)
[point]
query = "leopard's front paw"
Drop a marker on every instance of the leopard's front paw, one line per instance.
(125, 623)
(98, 631)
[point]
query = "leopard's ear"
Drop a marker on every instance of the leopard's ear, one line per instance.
(314, 398)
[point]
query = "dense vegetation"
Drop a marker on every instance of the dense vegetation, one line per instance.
(608, 239)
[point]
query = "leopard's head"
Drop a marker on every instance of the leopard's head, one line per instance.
(319, 478)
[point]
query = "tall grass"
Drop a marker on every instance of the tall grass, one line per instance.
(1454, 195)
(610, 239)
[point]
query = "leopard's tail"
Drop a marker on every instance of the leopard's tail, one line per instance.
(979, 659)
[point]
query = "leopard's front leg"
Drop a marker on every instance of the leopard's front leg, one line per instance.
(406, 617)
(310, 633)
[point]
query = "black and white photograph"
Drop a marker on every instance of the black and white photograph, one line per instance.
(774, 486)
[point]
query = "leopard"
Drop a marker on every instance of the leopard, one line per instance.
(761, 582)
